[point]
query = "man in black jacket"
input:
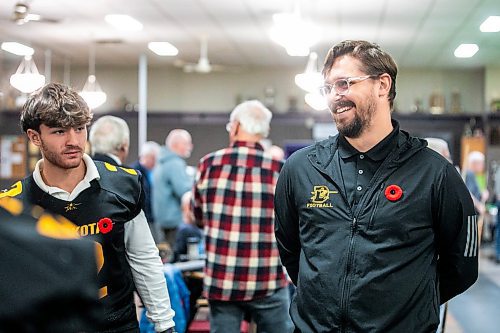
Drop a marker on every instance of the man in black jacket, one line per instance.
(374, 228)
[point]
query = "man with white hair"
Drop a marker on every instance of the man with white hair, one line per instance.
(109, 139)
(172, 183)
(233, 200)
(440, 146)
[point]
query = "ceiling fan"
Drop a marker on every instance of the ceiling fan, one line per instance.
(22, 15)
(203, 65)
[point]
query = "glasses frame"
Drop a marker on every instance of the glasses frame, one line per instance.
(327, 88)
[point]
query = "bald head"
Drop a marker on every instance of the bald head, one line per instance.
(180, 142)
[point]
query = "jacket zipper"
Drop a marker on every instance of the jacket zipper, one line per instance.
(345, 288)
(374, 210)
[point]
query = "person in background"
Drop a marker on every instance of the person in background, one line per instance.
(233, 200)
(109, 139)
(145, 164)
(103, 200)
(374, 228)
(277, 152)
(49, 280)
(171, 183)
(476, 183)
(440, 146)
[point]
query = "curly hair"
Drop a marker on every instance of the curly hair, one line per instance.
(55, 105)
(375, 60)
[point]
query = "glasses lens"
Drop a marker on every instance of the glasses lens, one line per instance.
(325, 90)
(341, 86)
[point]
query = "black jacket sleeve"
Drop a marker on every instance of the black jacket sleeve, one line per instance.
(287, 224)
(457, 237)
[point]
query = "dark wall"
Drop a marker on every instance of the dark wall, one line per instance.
(209, 133)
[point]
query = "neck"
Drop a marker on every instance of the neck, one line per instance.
(65, 179)
(378, 129)
(247, 137)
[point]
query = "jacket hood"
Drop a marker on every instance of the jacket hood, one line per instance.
(323, 151)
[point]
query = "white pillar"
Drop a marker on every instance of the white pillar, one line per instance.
(142, 127)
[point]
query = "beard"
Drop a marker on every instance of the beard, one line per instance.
(59, 160)
(362, 119)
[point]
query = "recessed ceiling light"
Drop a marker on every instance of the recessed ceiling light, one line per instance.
(466, 50)
(163, 48)
(491, 24)
(17, 48)
(123, 22)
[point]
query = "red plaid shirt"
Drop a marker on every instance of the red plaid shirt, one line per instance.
(233, 197)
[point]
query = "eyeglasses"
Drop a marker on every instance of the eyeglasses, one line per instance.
(342, 86)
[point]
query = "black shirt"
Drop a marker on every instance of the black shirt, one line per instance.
(358, 168)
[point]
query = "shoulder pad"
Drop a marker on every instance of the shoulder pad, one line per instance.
(123, 182)
(13, 191)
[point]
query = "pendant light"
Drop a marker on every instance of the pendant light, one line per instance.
(92, 92)
(27, 78)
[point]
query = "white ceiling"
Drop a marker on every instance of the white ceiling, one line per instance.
(421, 33)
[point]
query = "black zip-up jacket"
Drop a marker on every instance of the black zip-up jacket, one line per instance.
(386, 266)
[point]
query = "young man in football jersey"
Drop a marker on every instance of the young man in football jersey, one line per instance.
(103, 200)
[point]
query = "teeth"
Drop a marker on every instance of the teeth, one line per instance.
(344, 109)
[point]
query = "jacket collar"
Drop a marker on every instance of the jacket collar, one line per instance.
(324, 151)
(254, 145)
(378, 152)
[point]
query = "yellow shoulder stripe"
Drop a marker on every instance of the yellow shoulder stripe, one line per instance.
(113, 168)
(110, 167)
(130, 171)
(14, 190)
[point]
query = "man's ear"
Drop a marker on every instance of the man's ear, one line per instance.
(385, 84)
(34, 137)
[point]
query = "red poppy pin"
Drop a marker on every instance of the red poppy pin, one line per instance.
(105, 225)
(393, 192)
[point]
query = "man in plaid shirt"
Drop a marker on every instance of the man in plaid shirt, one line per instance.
(233, 200)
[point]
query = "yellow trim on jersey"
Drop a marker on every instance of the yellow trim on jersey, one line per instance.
(56, 227)
(130, 171)
(14, 206)
(15, 189)
(100, 262)
(110, 167)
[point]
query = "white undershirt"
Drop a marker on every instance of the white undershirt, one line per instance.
(142, 253)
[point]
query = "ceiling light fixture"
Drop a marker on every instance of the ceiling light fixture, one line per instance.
(316, 101)
(466, 50)
(123, 22)
(311, 79)
(17, 48)
(164, 49)
(491, 24)
(293, 33)
(92, 92)
(27, 79)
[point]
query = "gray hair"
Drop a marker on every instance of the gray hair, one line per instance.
(108, 135)
(440, 146)
(149, 147)
(253, 117)
(177, 135)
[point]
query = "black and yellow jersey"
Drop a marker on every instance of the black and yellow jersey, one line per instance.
(100, 213)
(48, 275)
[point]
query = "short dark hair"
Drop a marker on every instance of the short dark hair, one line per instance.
(55, 105)
(375, 61)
